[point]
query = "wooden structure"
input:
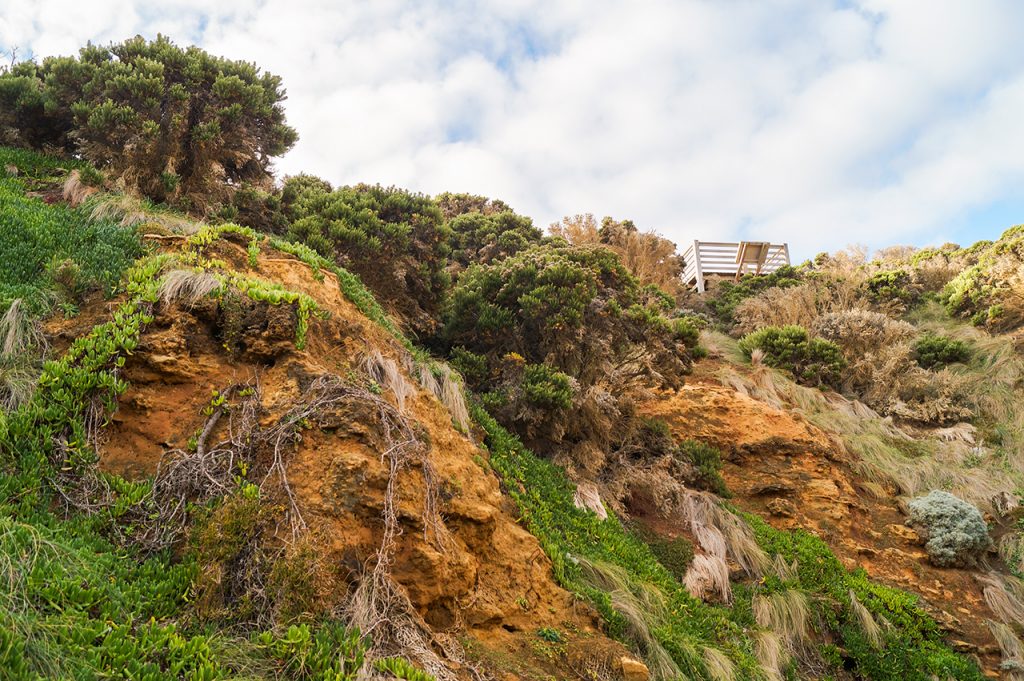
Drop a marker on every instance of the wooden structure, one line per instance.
(731, 259)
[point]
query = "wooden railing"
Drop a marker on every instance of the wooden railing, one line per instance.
(731, 259)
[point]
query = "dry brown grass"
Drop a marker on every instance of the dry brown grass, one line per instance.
(187, 287)
(787, 613)
(801, 305)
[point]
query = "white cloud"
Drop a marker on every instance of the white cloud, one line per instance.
(874, 121)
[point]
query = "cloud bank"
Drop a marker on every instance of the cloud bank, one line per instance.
(820, 124)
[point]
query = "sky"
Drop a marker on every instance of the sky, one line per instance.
(817, 123)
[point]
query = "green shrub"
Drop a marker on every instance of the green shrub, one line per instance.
(707, 461)
(727, 295)
(581, 314)
(395, 241)
(813, 361)
(547, 388)
(892, 286)
(935, 352)
(955, 530)
(481, 238)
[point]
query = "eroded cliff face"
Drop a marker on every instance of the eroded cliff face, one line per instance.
(479, 585)
(795, 475)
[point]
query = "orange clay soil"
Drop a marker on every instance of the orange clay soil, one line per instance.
(491, 586)
(795, 476)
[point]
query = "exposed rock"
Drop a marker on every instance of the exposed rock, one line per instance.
(783, 508)
(633, 670)
(774, 488)
(907, 534)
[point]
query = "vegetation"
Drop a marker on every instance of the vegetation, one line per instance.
(178, 125)
(556, 326)
(729, 295)
(813, 361)
(935, 352)
(53, 254)
(394, 240)
(955, 530)
(557, 343)
(649, 257)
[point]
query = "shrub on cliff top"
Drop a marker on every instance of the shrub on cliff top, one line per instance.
(176, 124)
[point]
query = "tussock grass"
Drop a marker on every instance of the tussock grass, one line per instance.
(884, 452)
(866, 621)
(771, 654)
(1004, 594)
(386, 373)
(787, 613)
(719, 666)
(1011, 648)
(132, 211)
(642, 607)
(187, 287)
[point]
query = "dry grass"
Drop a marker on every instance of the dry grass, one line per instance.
(884, 453)
(132, 211)
(719, 666)
(650, 257)
(770, 653)
(388, 375)
(19, 332)
(866, 620)
(1012, 650)
(802, 305)
(22, 349)
(75, 191)
(642, 606)
(722, 533)
(787, 613)
(187, 287)
(707, 576)
(1004, 594)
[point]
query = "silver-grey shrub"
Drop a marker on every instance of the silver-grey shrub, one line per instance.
(955, 531)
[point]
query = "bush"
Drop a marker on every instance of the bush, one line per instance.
(859, 332)
(955, 530)
(394, 240)
(547, 388)
(813, 361)
(707, 461)
(554, 322)
(892, 287)
(728, 295)
(176, 124)
(481, 237)
(649, 257)
(935, 352)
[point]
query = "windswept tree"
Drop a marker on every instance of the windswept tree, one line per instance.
(177, 125)
(484, 237)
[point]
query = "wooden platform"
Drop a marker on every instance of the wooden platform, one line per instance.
(731, 259)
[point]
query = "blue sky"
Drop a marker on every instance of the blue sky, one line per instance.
(876, 122)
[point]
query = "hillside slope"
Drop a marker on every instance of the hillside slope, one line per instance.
(278, 484)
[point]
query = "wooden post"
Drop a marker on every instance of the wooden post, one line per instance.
(785, 249)
(696, 263)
